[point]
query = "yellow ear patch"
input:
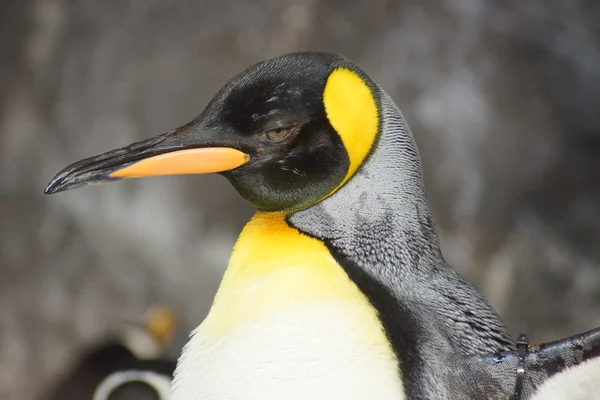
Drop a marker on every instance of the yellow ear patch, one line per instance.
(352, 111)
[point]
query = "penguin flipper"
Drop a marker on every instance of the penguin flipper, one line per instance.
(574, 360)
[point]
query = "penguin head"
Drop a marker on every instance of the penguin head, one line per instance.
(287, 132)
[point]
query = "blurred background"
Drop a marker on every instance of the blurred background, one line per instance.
(503, 98)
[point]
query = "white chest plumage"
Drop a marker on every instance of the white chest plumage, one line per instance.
(576, 383)
(287, 323)
(311, 353)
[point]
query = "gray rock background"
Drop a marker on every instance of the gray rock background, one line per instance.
(503, 99)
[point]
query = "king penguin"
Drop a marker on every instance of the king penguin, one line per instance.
(336, 288)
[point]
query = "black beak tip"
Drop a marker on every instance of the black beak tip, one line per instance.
(60, 182)
(66, 180)
(53, 186)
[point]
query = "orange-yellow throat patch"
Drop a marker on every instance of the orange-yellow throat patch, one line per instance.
(276, 269)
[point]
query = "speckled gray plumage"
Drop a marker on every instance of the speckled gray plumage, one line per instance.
(449, 341)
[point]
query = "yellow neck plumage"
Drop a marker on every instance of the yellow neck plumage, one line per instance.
(273, 269)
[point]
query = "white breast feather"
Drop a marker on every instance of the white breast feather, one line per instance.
(310, 353)
(578, 383)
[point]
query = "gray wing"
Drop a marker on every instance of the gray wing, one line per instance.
(494, 376)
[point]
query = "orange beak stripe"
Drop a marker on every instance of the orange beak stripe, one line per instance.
(204, 160)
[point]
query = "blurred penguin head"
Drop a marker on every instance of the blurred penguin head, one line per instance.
(138, 385)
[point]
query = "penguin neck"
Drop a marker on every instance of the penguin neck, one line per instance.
(274, 269)
(378, 226)
(383, 205)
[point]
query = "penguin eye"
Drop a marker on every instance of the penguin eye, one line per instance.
(277, 134)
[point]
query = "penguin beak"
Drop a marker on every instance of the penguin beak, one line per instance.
(178, 152)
